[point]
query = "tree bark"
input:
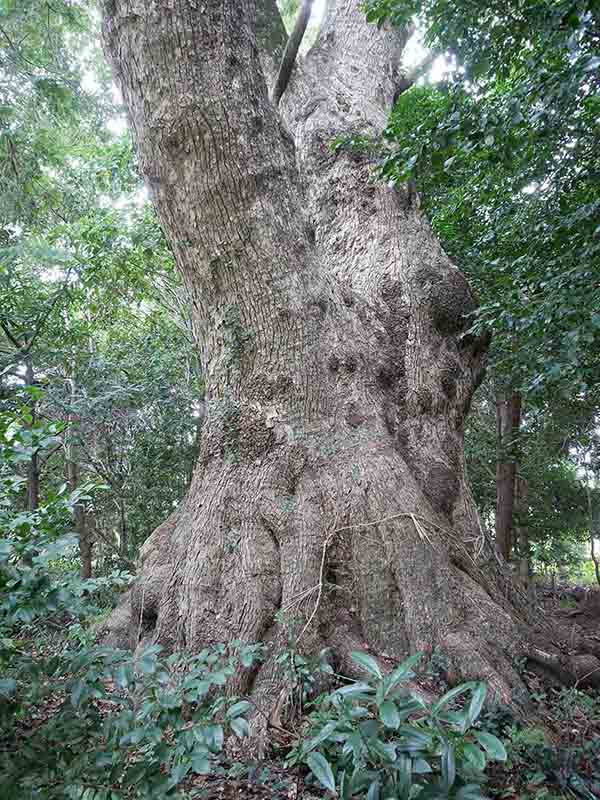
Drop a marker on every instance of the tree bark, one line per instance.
(522, 537)
(330, 485)
(81, 521)
(123, 530)
(508, 416)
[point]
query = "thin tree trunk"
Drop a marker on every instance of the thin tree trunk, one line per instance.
(33, 468)
(594, 517)
(522, 536)
(508, 417)
(72, 473)
(330, 488)
(123, 530)
(81, 522)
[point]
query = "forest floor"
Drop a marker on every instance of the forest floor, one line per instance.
(554, 753)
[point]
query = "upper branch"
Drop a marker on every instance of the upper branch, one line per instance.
(291, 51)
(350, 74)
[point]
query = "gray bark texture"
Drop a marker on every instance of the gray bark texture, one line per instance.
(330, 487)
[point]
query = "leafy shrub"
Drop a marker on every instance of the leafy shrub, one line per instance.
(376, 739)
(543, 770)
(116, 727)
(541, 765)
(85, 722)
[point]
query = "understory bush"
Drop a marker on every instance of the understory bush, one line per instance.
(79, 721)
(378, 740)
(96, 724)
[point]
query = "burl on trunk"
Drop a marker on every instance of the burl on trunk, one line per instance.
(331, 483)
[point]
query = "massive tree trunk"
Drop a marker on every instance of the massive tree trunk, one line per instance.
(330, 484)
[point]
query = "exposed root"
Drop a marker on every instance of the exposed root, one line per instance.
(581, 671)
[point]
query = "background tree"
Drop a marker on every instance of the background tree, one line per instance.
(84, 340)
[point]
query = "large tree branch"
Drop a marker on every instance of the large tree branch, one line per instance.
(350, 75)
(291, 51)
(7, 332)
(221, 172)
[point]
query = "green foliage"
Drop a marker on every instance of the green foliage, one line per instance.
(45, 114)
(34, 542)
(505, 154)
(553, 436)
(375, 738)
(557, 773)
(553, 755)
(301, 676)
(288, 10)
(111, 725)
(91, 308)
(119, 726)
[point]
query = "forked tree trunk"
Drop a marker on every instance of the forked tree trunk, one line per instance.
(330, 484)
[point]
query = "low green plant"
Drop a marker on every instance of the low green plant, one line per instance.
(543, 770)
(303, 675)
(538, 766)
(377, 739)
(118, 726)
(79, 721)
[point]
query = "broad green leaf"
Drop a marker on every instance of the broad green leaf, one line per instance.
(238, 708)
(367, 662)
(239, 725)
(446, 698)
(421, 767)
(179, 772)
(403, 672)
(78, 691)
(8, 686)
(474, 755)
(321, 769)
(354, 689)
(322, 736)
(373, 793)
(448, 764)
(214, 737)
(389, 714)
(492, 745)
(477, 702)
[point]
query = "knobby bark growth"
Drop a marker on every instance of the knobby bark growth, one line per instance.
(330, 487)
